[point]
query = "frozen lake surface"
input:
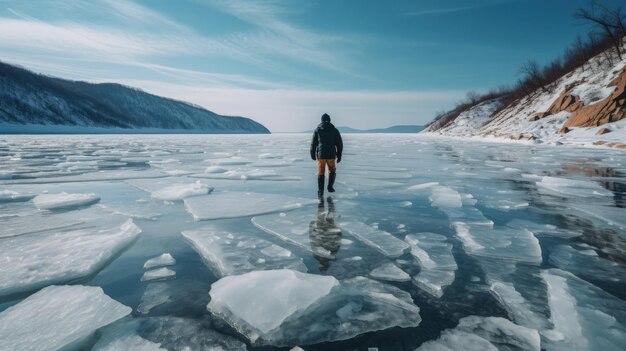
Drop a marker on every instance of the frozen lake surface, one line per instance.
(219, 243)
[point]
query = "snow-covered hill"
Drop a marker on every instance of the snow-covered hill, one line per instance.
(34, 103)
(586, 106)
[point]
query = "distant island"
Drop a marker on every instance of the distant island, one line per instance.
(32, 103)
(392, 129)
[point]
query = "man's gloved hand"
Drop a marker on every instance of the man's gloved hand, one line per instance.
(338, 158)
(313, 157)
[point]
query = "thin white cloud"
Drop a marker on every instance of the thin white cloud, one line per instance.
(443, 10)
(275, 35)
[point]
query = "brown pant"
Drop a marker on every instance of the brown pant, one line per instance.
(321, 165)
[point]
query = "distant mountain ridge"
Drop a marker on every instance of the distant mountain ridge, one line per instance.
(392, 129)
(30, 101)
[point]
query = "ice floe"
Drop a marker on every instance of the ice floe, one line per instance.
(57, 317)
(64, 200)
(36, 260)
(165, 259)
(240, 204)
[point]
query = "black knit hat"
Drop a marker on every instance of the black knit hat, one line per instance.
(325, 117)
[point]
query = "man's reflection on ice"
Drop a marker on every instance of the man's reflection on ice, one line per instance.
(325, 236)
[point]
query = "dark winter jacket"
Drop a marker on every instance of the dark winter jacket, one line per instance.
(326, 143)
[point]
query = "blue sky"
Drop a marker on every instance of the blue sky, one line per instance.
(285, 62)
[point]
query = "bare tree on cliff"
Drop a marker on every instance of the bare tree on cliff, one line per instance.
(610, 22)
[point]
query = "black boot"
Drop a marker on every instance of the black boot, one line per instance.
(331, 182)
(320, 185)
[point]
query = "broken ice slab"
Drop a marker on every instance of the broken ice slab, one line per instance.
(35, 260)
(229, 252)
(302, 230)
(379, 240)
(299, 308)
(241, 204)
(57, 317)
(156, 294)
(437, 264)
(64, 200)
(165, 333)
(165, 259)
(169, 189)
(584, 316)
(158, 273)
(474, 333)
(14, 196)
(391, 272)
(572, 188)
(505, 243)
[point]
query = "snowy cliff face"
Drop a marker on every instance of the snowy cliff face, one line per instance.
(33, 100)
(586, 106)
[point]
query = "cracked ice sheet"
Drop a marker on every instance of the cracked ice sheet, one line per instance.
(57, 317)
(584, 316)
(241, 204)
(36, 260)
(379, 240)
(234, 252)
(301, 309)
(165, 333)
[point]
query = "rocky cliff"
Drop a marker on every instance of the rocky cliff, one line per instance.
(585, 106)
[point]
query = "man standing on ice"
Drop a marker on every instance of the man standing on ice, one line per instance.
(325, 147)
